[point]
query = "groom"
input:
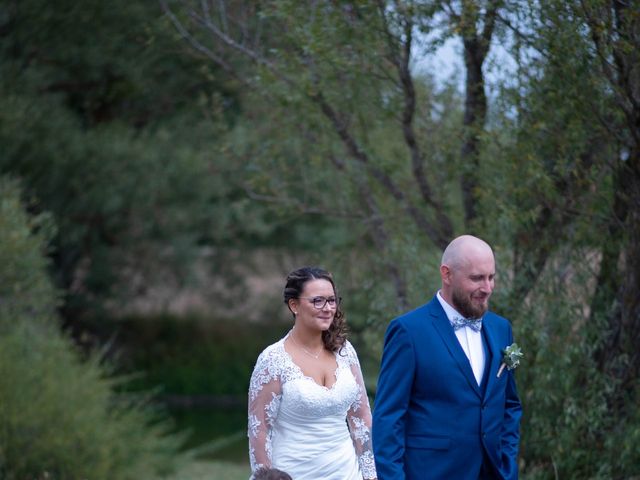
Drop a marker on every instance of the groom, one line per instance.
(444, 410)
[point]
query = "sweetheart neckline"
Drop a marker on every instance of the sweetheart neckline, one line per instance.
(308, 377)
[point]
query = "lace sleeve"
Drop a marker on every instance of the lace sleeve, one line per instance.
(359, 418)
(265, 393)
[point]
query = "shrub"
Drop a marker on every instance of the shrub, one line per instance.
(59, 415)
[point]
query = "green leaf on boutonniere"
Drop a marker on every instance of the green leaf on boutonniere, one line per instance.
(510, 357)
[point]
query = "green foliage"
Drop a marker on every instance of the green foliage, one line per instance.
(143, 154)
(25, 289)
(548, 163)
(115, 132)
(570, 429)
(550, 207)
(106, 62)
(59, 417)
(96, 183)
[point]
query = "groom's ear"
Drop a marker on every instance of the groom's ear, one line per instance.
(445, 274)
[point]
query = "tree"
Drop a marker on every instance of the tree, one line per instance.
(104, 121)
(331, 62)
(614, 29)
(534, 173)
(567, 206)
(59, 414)
(475, 22)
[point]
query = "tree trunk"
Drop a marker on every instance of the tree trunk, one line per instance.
(618, 286)
(475, 113)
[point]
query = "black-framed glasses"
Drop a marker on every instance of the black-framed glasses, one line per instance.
(320, 302)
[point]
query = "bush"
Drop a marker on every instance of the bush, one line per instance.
(59, 417)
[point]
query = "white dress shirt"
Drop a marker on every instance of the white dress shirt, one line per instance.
(470, 341)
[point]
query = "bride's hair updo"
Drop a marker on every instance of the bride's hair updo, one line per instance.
(335, 336)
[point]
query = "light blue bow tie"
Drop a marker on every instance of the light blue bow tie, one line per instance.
(474, 324)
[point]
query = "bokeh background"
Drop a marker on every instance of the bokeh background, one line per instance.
(163, 165)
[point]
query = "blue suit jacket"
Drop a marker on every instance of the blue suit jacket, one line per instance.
(431, 420)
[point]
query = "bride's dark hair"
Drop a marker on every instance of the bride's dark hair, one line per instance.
(335, 336)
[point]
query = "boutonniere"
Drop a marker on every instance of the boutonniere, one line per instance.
(510, 358)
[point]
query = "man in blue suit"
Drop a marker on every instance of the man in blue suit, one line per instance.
(444, 409)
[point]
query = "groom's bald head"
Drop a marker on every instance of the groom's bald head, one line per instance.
(463, 250)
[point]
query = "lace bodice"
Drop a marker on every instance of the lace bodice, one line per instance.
(290, 410)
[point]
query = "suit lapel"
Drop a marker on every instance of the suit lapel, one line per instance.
(443, 327)
(495, 352)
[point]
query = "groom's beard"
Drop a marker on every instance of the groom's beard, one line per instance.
(463, 304)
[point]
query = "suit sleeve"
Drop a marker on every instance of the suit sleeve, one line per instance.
(395, 384)
(510, 437)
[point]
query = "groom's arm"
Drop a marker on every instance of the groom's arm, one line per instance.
(391, 403)
(511, 426)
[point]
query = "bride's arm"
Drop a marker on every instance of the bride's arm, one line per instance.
(359, 418)
(265, 393)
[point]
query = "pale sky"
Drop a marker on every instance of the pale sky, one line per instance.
(447, 63)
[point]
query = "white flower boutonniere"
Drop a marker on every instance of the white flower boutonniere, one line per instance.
(510, 358)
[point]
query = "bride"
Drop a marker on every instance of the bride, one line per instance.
(309, 413)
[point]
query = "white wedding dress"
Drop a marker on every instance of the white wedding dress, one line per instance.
(305, 429)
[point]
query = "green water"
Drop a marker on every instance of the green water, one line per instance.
(215, 434)
(197, 357)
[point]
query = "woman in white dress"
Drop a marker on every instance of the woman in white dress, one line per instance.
(309, 413)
